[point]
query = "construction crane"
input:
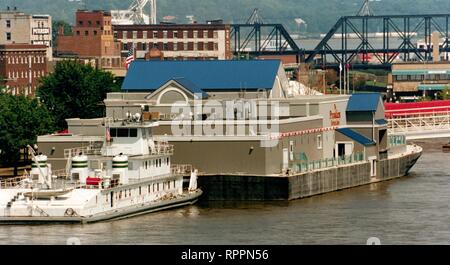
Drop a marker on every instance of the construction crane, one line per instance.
(135, 14)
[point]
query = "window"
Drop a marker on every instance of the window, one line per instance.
(319, 141)
(8, 35)
(175, 34)
(401, 77)
(78, 32)
(80, 23)
(95, 33)
(155, 34)
(291, 150)
(8, 23)
(98, 23)
(133, 132)
(165, 47)
(90, 23)
(86, 33)
(122, 132)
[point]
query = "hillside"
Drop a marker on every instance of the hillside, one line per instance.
(319, 14)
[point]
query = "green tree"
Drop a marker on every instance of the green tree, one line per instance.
(55, 28)
(75, 90)
(22, 119)
(445, 93)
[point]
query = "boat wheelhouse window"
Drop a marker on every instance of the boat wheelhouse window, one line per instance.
(133, 132)
(122, 132)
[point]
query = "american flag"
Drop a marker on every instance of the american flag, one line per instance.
(130, 57)
(108, 135)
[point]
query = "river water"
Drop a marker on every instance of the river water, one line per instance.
(410, 210)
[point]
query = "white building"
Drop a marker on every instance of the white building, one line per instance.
(18, 27)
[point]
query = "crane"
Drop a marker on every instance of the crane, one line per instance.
(135, 13)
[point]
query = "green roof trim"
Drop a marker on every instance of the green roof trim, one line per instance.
(421, 72)
(433, 86)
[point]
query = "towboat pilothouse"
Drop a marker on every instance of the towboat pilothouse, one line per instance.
(129, 175)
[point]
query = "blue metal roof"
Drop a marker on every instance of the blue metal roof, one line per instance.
(207, 75)
(364, 102)
(381, 122)
(186, 83)
(356, 136)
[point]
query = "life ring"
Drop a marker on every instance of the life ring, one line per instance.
(69, 212)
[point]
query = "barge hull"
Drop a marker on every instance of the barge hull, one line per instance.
(272, 188)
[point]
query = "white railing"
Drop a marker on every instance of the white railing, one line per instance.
(91, 149)
(181, 169)
(162, 148)
(12, 182)
(419, 122)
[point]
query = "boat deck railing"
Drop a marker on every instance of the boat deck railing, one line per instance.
(181, 169)
(307, 166)
(162, 148)
(86, 150)
(12, 182)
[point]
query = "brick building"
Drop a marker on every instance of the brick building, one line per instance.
(21, 67)
(177, 41)
(18, 27)
(92, 39)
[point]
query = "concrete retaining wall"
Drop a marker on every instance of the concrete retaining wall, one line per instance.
(303, 185)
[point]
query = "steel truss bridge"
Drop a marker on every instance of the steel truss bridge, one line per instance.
(354, 35)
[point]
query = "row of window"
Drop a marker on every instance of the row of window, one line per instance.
(24, 74)
(433, 77)
(90, 23)
(154, 188)
(192, 34)
(123, 132)
(20, 90)
(156, 163)
(179, 46)
(94, 32)
(40, 24)
(23, 59)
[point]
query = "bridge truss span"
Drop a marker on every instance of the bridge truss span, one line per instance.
(361, 30)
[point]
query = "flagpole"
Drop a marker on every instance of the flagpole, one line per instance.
(348, 80)
(340, 78)
(345, 80)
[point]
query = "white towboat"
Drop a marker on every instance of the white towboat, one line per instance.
(130, 175)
